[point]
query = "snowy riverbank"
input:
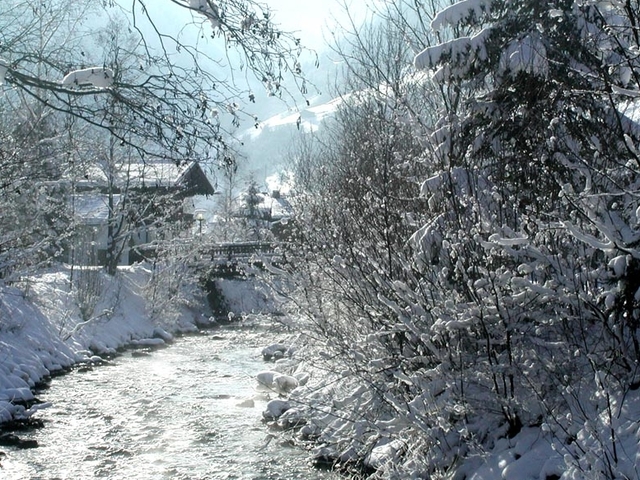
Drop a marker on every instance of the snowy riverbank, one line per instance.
(49, 323)
(324, 410)
(42, 331)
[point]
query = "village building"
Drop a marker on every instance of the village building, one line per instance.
(137, 206)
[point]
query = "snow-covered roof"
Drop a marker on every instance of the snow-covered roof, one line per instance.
(280, 208)
(92, 208)
(151, 175)
(276, 207)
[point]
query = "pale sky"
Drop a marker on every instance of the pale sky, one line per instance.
(315, 18)
(312, 19)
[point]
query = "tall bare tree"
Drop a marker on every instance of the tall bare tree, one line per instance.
(172, 107)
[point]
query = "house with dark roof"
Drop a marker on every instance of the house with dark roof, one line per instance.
(137, 205)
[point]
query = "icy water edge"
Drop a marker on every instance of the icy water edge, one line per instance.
(173, 414)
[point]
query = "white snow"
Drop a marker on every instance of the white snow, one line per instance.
(276, 382)
(265, 379)
(454, 14)
(618, 265)
(307, 120)
(4, 67)
(526, 54)
(99, 77)
(471, 48)
(508, 242)
(588, 239)
(625, 91)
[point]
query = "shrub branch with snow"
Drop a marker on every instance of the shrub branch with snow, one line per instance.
(502, 335)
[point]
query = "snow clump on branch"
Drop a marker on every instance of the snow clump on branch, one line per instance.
(99, 77)
(4, 67)
(454, 14)
(209, 9)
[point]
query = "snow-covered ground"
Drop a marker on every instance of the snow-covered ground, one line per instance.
(46, 326)
(42, 331)
(607, 446)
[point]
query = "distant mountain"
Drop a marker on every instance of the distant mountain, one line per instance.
(268, 131)
(268, 145)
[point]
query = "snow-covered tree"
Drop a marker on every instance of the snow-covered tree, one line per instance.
(356, 205)
(173, 107)
(520, 306)
(535, 197)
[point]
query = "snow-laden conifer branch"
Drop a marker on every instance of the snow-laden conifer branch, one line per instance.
(455, 14)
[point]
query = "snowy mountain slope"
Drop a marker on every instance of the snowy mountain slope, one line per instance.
(308, 119)
(269, 145)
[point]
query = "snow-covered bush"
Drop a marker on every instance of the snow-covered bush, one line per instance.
(173, 284)
(88, 287)
(531, 205)
(506, 298)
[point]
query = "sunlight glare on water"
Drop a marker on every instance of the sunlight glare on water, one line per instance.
(173, 414)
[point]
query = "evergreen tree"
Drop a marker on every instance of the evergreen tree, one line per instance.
(533, 209)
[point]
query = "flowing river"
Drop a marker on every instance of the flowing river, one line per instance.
(173, 414)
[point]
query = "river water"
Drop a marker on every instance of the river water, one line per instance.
(173, 414)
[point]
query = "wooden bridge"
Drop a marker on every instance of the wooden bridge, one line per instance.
(223, 259)
(240, 250)
(233, 259)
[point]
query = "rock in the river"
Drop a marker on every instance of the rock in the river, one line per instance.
(302, 377)
(246, 403)
(275, 408)
(292, 418)
(265, 379)
(162, 334)
(284, 384)
(274, 351)
(141, 353)
(148, 342)
(277, 382)
(10, 440)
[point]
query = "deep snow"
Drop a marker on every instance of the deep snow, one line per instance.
(41, 332)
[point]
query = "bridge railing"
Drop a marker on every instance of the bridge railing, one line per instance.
(241, 250)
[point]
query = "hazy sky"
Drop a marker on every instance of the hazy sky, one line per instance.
(315, 18)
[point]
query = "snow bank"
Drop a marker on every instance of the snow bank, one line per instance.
(584, 440)
(42, 330)
(31, 350)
